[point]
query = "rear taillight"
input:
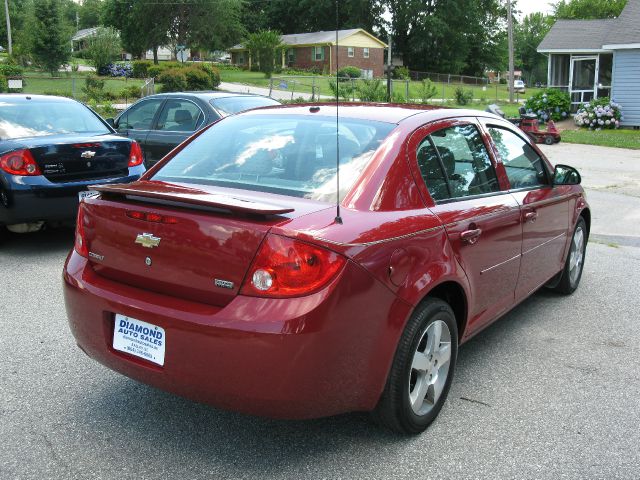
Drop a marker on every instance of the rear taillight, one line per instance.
(81, 241)
(135, 154)
(285, 267)
(20, 162)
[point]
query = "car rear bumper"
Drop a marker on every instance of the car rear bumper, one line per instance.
(308, 357)
(34, 199)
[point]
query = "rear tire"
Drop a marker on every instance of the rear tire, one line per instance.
(573, 266)
(422, 369)
(549, 140)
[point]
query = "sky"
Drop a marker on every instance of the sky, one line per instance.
(530, 6)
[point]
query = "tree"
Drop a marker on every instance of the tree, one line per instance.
(449, 36)
(264, 48)
(527, 36)
(90, 13)
(143, 25)
(104, 48)
(51, 41)
(588, 9)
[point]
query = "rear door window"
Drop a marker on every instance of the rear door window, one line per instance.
(454, 163)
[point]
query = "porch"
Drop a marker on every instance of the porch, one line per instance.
(584, 76)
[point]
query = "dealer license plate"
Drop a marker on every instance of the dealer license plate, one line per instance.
(86, 194)
(139, 338)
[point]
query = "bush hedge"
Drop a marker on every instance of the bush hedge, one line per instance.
(350, 72)
(549, 104)
(173, 80)
(10, 70)
(599, 114)
(140, 68)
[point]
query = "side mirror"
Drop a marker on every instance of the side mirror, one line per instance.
(566, 175)
(111, 122)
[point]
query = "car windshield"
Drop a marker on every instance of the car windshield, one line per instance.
(230, 105)
(290, 155)
(35, 118)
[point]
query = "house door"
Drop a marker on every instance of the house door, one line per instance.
(583, 80)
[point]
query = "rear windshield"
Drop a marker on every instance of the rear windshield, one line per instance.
(37, 118)
(230, 105)
(289, 155)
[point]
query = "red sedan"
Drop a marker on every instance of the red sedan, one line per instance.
(227, 275)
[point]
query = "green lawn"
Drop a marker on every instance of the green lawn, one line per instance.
(305, 84)
(604, 138)
(71, 86)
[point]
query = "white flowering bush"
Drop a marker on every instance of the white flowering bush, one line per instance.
(599, 114)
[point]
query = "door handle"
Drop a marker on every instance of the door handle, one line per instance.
(471, 236)
(531, 216)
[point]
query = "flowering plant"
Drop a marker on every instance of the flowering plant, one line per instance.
(599, 114)
(550, 104)
(121, 69)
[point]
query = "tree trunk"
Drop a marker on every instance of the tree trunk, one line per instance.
(155, 55)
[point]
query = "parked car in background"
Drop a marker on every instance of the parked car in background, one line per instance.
(225, 275)
(160, 122)
(51, 149)
(518, 86)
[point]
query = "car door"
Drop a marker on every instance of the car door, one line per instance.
(545, 210)
(177, 121)
(481, 219)
(136, 122)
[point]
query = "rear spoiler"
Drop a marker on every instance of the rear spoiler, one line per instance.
(184, 196)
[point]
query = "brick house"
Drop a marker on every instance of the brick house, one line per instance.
(317, 51)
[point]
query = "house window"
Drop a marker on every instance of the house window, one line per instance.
(351, 52)
(604, 75)
(317, 54)
(365, 52)
(291, 56)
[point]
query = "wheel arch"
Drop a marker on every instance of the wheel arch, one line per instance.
(586, 215)
(454, 294)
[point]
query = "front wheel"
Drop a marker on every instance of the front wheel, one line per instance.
(422, 369)
(572, 272)
(549, 140)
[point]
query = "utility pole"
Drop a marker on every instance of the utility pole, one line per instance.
(510, 32)
(389, 69)
(6, 13)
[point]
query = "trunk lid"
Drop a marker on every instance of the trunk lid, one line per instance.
(71, 158)
(199, 249)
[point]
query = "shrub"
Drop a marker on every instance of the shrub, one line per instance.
(599, 114)
(104, 47)
(132, 91)
(345, 73)
(140, 67)
(401, 73)
(211, 71)
(120, 69)
(427, 90)
(197, 79)
(463, 96)
(106, 110)
(343, 90)
(397, 97)
(94, 88)
(371, 91)
(173, 80)
(9, 70)
(549, 104)
(155, 70)
(4, 86)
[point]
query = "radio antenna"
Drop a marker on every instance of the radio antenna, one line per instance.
(338, 218)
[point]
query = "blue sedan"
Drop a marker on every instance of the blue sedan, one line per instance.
(51, 150)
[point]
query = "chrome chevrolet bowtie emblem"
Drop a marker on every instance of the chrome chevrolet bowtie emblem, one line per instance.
(88, 154)
(147, 240)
